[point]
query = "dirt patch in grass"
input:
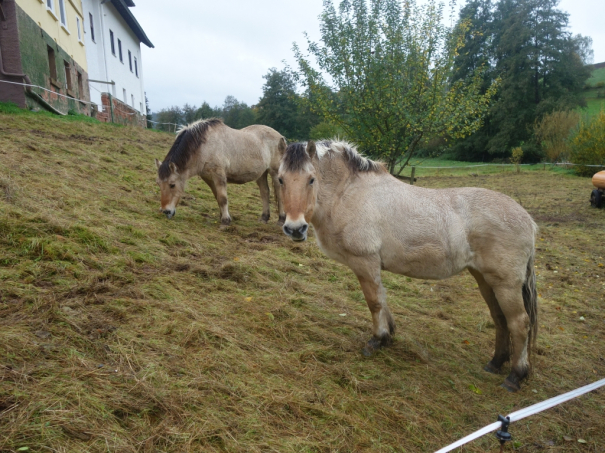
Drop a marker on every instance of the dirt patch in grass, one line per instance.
(123, 331)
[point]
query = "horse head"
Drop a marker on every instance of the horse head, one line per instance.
(172, 186)
(298, 181)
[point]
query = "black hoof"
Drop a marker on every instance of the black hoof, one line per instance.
(264, 218)
(281, 220)
(510, 386)
(513, 382)
(491, 368)
(375, 344)
(226, 222)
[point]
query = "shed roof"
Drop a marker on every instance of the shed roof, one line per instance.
(123, 8)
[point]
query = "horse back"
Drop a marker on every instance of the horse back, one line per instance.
(242, 155)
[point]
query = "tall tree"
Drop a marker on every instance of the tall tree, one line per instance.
(540, 68)
(282, 108)
(237, 114)
(385, 77)
(149, 116)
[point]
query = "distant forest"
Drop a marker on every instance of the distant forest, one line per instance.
(518, 56)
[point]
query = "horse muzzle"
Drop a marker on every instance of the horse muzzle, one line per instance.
(297, 233)
(169, 213)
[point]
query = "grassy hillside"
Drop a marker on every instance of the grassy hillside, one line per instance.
(595, 96)
(122, 331)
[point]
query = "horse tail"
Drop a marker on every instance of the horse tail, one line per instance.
(530, 300)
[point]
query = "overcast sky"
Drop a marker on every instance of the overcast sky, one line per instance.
(207, 50)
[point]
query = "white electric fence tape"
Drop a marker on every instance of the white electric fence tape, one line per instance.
(520, 414)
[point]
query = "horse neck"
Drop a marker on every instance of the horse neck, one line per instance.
(333, 177)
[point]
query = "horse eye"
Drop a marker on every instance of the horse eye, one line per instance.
(172, 186)
(281, 181)
(312, 181)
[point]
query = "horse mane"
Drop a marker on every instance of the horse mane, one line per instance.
(188, 140)
(296, 157)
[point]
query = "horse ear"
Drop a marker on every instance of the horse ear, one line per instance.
(311, 150)
(173, 168)
(158, 164)
(282, 146)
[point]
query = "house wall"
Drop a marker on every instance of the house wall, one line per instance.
(34, 42)
(65, 37)
(10, 56)
(104, 65)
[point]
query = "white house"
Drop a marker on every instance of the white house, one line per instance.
(113, 40)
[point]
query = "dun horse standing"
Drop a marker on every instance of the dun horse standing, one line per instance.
(365, 218)
(220, 155)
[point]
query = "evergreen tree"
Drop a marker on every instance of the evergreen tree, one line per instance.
(237, 114)
(278, 108)
(148, 115)
(540, 68)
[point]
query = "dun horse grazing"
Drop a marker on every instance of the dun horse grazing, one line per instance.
(221, 155)
(365, 218)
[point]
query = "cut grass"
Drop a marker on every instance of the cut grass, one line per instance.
(123, 331)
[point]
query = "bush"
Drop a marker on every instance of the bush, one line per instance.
(588, 144)
(552, 133)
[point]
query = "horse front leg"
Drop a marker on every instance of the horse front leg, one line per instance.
(368, 274)
(277, 192)
(220, 186)
(263, 186)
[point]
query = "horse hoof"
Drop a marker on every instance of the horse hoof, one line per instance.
(264, 218)
(281, 221)
(225, 222)
(491, 368)
(510, 386)
(373, 345)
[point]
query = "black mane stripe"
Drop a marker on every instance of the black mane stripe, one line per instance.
(185, 145)
(296, 157)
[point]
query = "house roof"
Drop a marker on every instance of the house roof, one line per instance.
(122, 7)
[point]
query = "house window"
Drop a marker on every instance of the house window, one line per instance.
(124, 93)
(132, 99)
(80, 86)
(113, 88)
(120, 50)
(52, 64)
(92, 27)
(113, 46)
(130, 60)
(136, 68)
(67, 75)
(78, 27)
(50, 5)
(141, 107)
(62, 13)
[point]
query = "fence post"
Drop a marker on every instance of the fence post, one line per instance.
(413, 173)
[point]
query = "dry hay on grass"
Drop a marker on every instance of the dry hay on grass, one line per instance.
(123, 331)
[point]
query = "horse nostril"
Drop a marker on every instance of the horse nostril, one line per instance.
(288, 231)
(303, 229)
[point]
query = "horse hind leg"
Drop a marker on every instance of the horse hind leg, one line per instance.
(263, 185)
(368, 275)
(502, 349)
(510, 298)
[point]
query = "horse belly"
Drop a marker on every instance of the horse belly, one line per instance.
(427, 260)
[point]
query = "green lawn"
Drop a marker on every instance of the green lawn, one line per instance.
(443, 167)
